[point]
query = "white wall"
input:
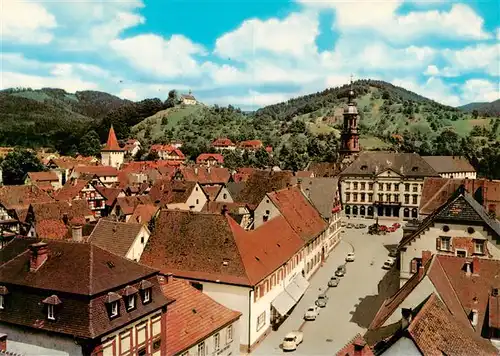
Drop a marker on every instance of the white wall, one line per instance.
(113, 159)
(227, 347)
(265, 205)
(403, 347)
(135, 251)
(459, 175)
(27, 341)
(427, 242)
(224, 196)
(197, 198)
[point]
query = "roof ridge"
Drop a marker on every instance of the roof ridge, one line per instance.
(435, 194)
(91, 267)
(427, 304)
(236, 229)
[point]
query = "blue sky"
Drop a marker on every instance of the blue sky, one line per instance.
(251, 53)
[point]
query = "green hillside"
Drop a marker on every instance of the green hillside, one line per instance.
(485, 109)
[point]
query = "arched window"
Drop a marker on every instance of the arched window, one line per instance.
(414, 213)
(406, 213)
(354, 210)
(348, 209)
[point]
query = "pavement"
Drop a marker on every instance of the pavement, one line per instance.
(352, 304)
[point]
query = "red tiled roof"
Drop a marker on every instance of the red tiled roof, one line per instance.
(357, 343)
(251, 144)
(110, 194)
(128, 204)
(193, 316)
(212, 191)
(100, 171)
(218, 206)
(70, 162)
(436, 332)
(203, 175)
(168, 148)
(302, 216)
(43, 176)
(223, 142)
(72, 188)
(168, 191)
(116, 237)
(112, 143)
(21, 196)
(449, 164)
(436, 191)
(210, 156)
(143, 213)
(261, 182)
(304, 174)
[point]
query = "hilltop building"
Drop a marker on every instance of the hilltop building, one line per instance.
(188, 99)
(112, 154)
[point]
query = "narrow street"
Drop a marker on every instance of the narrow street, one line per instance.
(351, 305)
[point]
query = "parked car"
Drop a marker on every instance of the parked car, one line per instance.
(350, 226)
(311, 313)
(343, 224)
(322, 300)
(350, 257)
(341, 270)
(362, 226)
(389, 263)
(333, 282)
(292, 340)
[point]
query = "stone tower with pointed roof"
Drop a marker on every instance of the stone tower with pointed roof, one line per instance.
(112, 154)
(349, 139)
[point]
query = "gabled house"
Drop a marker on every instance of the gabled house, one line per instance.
(437, 191)
(132, 146)
(223, 144)
(468, 287)
(168, 152)
(124, 239)
(210, 159)
(15, 201)
(124, 207)
(108, 175)
(144, 214)
(188, 99)
(242, 174)
(196, 324)
(252, 145)
(460, 227)
(63, 166)
(110, 194)
(256, 272)
(43, 178)
(451, 166)
(78, 299)
(85, 188)
(384, 184)
(59, 220)
(175, 194)
(238, 211)
(291, 204)
(203, 175)
(428, 329)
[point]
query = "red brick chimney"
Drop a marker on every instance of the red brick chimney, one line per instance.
(426, 257)
(475, 265)
(39, 253)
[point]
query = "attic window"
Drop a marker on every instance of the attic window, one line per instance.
(446, 228)
(51, 302)
(414, 169)
(145, 287)
(110, 264)
(225, 262)
(112, 301)
(470, 230)
(364, 167)
(129, 293)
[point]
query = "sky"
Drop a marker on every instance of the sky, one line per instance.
(252, 53)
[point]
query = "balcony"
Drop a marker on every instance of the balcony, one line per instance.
(387, 203)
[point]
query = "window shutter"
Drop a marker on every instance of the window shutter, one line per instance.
(413, 267)
(438, 243)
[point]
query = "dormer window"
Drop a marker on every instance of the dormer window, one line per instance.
(3, 293)
(131, 302)
(146, 288)
(364, 168)
(414, 169)
(113, 304)
(51, 303)
(129, 293)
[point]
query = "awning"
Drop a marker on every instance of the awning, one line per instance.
(297, 287)
(283, 303)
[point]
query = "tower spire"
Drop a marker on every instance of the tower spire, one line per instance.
(350, 97)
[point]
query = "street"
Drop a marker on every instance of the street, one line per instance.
(352, 304)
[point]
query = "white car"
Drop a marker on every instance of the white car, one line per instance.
(389, 263)
(350, 257)
(292, 340)
(311, 313)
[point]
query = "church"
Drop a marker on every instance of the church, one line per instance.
(112, 154)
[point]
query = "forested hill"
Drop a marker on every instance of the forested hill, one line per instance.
(484, 109)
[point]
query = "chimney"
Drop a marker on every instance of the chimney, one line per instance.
(168, 277)
(406, 317)
(65, 218)
(475, 265)
(3, 343)
(426, 257)
(359, 345)
(474, 317)
(494, 292)
(39, 252)
(468, 268)
(76, 233)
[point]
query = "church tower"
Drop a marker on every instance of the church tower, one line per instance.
(349, 139)
(112, 154)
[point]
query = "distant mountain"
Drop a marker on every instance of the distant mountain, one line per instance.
(484, 109)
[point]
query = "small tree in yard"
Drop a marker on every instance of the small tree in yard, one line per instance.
(17, 164)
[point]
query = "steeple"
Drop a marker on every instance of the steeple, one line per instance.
(112, 143)
(350, 137)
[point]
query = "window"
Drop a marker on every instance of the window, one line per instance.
(388, 197)
(396, 198)
(355, 185)
(478, 248)
(224, 196)
(355, 197)
(470, 230)
(2, 302)
(142, 240)
(142, 352)
(446, 228)
(201, 349)
(347, 196)
(261, 321)
(396, 187)
(415, 188)
(362, 197)
(217, 341)
(265, 218)
(114, 309)
(370, 186)
(407, 187)
(381, 187)
(461, 253)
(229, 334)
(130, 302)
(156, 344)
(407, 199)
(414, 199)
(50, 312)
(370, 197)
(388, 187)
(444, 243)
(380, 197)
(197, 201)
(363, 186)
(347, 185)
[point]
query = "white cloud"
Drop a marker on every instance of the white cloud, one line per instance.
(252, 99)
(482, 57)
(25, 22)
(155, 55)
(381, 17)
(294, 35)
(69, 83)
(480, 90)
(129, 94)
(433, 88)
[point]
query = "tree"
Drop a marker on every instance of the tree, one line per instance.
(475, 114)
(17, 164)
(152, 156)
(90, 144)
(173, 99)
